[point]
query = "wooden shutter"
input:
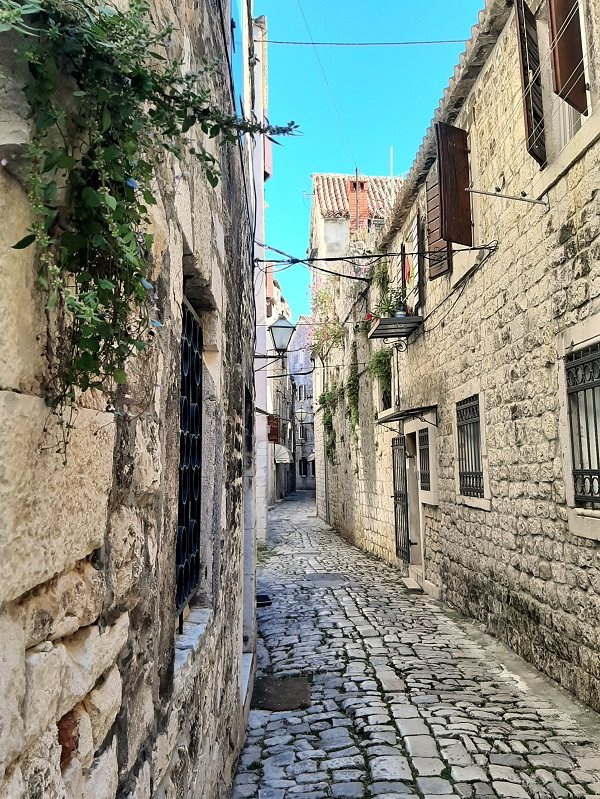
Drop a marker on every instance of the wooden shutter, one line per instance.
(531, 81)
(566, 46)
(420, 248)
(402, 266)
(455, 201)
(439, 251)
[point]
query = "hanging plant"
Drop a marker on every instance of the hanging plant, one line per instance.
(328, 402)
(106, 104)
(353, 390)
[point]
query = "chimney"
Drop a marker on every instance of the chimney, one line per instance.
(357, 201)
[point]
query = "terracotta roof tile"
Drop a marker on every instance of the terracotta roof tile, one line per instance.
(331, 194)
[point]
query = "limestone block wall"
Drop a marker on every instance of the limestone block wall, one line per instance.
(517, 566)
(99, 694)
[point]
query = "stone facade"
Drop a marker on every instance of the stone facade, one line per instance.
(301, 365)
(524, 557)
(101, 694)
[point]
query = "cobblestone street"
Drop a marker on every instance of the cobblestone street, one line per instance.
(405, 700)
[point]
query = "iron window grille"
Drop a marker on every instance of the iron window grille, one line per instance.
(187, 557)
(470, 469)
(583, 392)
(424, 468)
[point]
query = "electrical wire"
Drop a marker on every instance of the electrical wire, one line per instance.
(363, 44)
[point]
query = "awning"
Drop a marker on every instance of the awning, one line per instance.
(406, 413)
(311, 457)
(282, 454)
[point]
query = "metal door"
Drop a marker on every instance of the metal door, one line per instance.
(400, 498)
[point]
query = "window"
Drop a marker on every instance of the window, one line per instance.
(187, 555)
(301, 393)
(531, 82)
(303, 467)
(583, 392)
(470, 467)
(424, 468)
(302, 432)
(568, 60)
(312, 469)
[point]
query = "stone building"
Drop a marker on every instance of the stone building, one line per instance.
(280, 400)
(127, 629)
(495, 369)
(301, 367)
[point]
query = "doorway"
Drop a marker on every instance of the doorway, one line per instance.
(407, 517)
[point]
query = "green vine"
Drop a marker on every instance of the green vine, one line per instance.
(328, 401)
(107, 103)
(353, 390)
(380, 368)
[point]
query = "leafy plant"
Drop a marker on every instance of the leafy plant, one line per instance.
(328, 332)
(328, 401)
(107, 103)
(380, 276)
(380, 368)
(393, 300)
(353, 389)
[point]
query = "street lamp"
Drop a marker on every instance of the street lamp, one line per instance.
(301, 415)
(281, 332)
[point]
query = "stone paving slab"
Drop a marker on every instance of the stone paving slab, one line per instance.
(405, 701)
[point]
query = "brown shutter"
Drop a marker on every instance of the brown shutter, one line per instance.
(438, 250)
(455, 201)
(402, 266)
(421, 260)
(566, 46)
(531, 80)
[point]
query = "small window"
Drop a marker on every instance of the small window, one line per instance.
(302, 432)
(312, 468)
(470, 468)
(301, 393)
(583, 392)
(302, 467)
(424, 468)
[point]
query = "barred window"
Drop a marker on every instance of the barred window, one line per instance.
(424, 468)
(583, 392)
(470, 469)
(303, 467)
(187, 559)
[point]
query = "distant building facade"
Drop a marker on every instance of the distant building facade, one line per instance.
(301, 366)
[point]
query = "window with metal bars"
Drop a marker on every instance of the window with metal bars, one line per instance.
(303, 467)
(583, 392)
(424, 468)
(470, 468)
(187, 556)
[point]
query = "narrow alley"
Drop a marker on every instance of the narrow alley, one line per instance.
(404, 698)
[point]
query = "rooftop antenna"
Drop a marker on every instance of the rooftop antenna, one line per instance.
(391, 161)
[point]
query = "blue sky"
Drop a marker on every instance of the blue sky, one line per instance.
(385, 97)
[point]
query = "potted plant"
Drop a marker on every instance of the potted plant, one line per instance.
(392, 303)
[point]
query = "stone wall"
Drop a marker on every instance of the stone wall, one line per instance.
(99, 693)
(516, 567)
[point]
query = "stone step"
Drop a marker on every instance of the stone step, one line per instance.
(412, 585)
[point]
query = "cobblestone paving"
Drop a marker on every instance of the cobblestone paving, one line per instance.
(405, 701)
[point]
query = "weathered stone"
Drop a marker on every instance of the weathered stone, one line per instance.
(41, 768)
(65, 519)
(390, 768)
(510, 790)
(87, 655)
(44, 673)
(434, 786)
(63, 605)
(102, 705)
(12, 687)
(103, 777)
(468, 774)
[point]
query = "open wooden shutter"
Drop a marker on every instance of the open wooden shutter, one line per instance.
(455, 201)
(531, 80)
(420, 248)
(439, 250)
(566, 46)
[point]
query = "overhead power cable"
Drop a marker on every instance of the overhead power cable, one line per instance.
(363, 44)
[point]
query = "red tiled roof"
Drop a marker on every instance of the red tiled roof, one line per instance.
(331, 193)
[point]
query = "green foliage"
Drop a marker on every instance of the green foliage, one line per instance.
(328, 331)
(380, 276)
(106, 104)
(380, 368)
(328, 401)
(390, 302)
(353, 389)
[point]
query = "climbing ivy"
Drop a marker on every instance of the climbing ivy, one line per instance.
(353, 389)
(328, 402)
(107, 102)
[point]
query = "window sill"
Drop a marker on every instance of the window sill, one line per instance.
(584, 523)
(575, 149)
(428, 497)
(190, 641)
(474, 502)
